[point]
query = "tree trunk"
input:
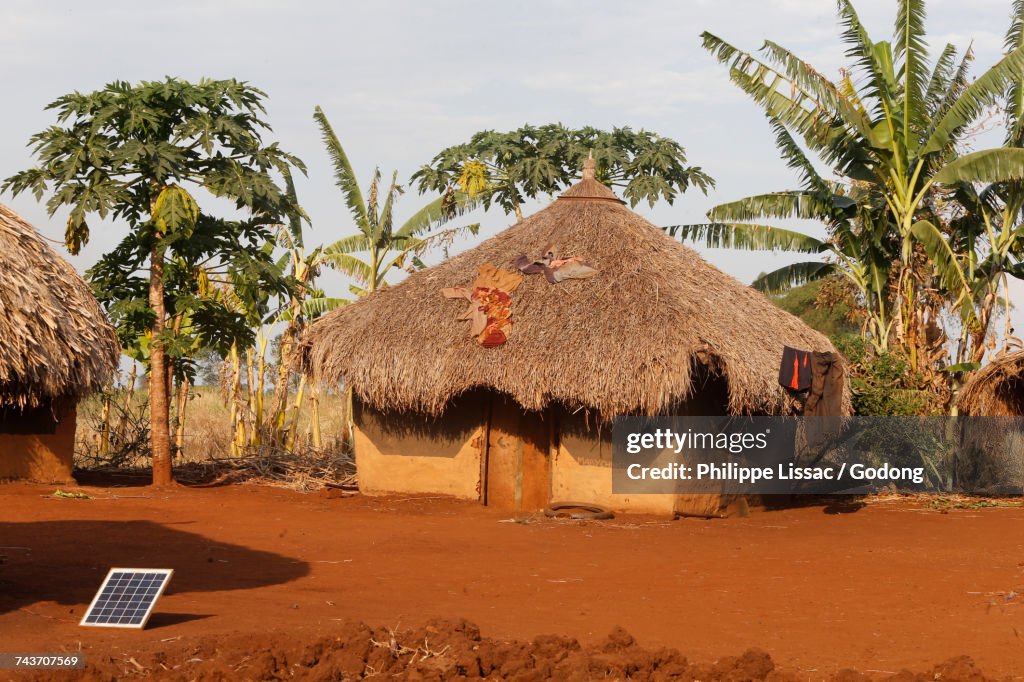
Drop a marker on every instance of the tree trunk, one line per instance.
(105, 428)
(293, 429)
(237, 422)
(179, 432)
(314, 417)
(289, 337)
(159, 405)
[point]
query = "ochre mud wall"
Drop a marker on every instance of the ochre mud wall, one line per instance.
(581, 467)
(531, 459)
(35, 446)
(408, 453)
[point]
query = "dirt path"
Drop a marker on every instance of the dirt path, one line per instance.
(888, 587)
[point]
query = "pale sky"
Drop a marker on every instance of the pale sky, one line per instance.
(402, 80)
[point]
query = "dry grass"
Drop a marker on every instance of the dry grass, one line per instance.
(206, 454)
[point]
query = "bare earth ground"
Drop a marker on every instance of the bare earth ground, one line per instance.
(271, 583)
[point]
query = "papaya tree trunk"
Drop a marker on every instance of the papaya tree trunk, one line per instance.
(159, 405)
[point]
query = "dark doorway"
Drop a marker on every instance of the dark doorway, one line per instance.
(517, 462)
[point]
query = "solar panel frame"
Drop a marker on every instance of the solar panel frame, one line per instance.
(114, 597)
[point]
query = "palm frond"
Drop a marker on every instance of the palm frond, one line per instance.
(942, 76)
(945, 263)
(313, 308)
(989, 165)
(796, 159)
(824, 91)
(864, 51)
(789, 276)
(344, 176)
(972, 102)
(352, 244)
(351, 266)
(911, 52)
(767, 86)
(437, 213)
(747, 237)
(780, 205)
(296, 214)
(387, 210)
(1014, 107)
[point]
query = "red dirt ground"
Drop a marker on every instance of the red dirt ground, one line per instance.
(274, 583)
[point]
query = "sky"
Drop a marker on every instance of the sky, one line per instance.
(400, 81)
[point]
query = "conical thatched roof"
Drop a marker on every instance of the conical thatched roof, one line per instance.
(997, 389)
(55, 341)
(624, 341)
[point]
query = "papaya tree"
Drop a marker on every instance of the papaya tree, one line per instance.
(507, 168)
(141, 156)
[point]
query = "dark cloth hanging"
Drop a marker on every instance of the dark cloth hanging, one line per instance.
(824, 401)
(826, 396)
(795, 371)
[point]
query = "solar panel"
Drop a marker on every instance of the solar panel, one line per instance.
(126, 597)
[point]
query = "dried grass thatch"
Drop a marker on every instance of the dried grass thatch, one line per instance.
(996, 390)
(55, 341)
(623, 342)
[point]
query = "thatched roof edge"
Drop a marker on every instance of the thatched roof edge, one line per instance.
(55, 341)
(987, 392)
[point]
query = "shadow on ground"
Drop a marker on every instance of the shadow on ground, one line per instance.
(65, 561)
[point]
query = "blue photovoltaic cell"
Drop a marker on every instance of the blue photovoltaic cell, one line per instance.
(126, 597)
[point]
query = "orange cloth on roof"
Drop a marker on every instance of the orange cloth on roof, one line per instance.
(489, 312)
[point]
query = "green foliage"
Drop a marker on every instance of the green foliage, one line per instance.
(387, 246)
(128, 152)
(884, 383)
(823, 304)
(881, 383)
(507, 168)
(892, 130)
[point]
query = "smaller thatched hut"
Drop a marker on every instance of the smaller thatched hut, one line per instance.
(991, 459)
(997, 389)
(504, 401)
(55, 346)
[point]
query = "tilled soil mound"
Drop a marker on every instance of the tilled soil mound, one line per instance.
(454, 650)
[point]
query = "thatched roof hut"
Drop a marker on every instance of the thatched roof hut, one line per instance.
(55, 346)
(991, 456)
(57, 343)
(656, 327)
(997, 389)
(623, 342)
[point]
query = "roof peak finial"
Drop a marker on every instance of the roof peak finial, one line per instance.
(590, 167)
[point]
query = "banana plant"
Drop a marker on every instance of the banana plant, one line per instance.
(892, 127)
(847, 251)
(387, 247)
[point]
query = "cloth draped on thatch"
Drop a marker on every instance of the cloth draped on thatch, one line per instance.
(623, 341)
(997, 389)
(55, 341)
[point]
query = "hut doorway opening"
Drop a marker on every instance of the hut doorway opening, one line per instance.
(516, 462)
